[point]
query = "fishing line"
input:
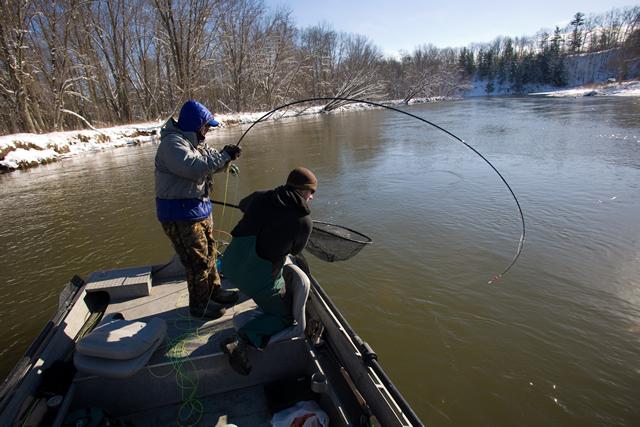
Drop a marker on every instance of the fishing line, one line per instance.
(495, 278)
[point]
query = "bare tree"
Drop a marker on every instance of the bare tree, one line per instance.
(15, 19)
(357, 71)
(629, 53)
(189, 36)
(276, 65)
(143, 57)
(392, 74)
(430, 71)
(54, 64)
(240, 26)
(319, 45)
(420, 68)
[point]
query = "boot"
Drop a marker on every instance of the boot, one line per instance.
(238, 358)
(224, 296)
(211, 311)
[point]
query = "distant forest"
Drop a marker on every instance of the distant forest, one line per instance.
(69, 64)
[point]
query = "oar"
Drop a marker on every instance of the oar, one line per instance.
(329, 242)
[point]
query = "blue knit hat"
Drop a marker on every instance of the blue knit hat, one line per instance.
(194, 115)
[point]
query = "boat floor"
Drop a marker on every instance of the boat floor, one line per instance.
(189, 376)
(247, 407)
(187, 336)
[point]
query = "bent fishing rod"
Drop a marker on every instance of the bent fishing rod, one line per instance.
(495, 278)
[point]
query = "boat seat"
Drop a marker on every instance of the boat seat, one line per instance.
(299, 285)
(118, 348)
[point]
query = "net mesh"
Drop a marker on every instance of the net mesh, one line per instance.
(331, 242)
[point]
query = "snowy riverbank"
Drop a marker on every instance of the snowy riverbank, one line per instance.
(628, 88)
(26, 150)
(22, 151)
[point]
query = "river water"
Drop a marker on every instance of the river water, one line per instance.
(555, 342)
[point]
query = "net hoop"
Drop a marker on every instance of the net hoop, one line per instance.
(320, 227)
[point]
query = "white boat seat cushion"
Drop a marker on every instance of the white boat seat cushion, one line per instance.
(111, 368)
(122, 339)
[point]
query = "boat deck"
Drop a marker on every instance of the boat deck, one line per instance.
(188, 380)
(245, 408)
(187, 336)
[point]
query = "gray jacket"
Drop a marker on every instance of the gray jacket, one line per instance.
(182, 169)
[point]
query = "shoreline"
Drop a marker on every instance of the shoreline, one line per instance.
(626, 88)
(26, 150)
(22, 151)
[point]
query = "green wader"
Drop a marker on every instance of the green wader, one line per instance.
(253, 276)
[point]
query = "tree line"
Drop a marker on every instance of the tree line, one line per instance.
(70, 64)
(540, 59)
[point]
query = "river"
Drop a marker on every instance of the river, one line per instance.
(556, 342)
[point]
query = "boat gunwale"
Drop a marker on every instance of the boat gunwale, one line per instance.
(366, 355)
(28, 361)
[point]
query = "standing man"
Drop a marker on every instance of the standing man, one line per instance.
(183, 165)
(275, 223)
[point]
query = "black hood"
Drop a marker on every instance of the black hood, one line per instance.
(287, 197)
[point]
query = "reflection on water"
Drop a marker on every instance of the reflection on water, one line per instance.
(555, 343)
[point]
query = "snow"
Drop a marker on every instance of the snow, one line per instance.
(31, 157)
(629, 88)
(25, 150)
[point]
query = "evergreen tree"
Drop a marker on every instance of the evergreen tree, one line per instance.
(556, 42)
(506, 62)
(557, 73)
(467, 62)
(576, 36)
(543, 59)
(486, 63)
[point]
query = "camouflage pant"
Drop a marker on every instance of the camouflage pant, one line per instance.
(194, 244)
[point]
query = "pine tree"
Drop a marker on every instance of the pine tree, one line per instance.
(506, 62)
(576, 36)
(466, 61)
(557, 73)
(556, 42)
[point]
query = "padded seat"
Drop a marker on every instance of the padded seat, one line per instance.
(119, 348)
(122, 339)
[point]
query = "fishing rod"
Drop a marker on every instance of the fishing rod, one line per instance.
(231, 205)
(495, 278)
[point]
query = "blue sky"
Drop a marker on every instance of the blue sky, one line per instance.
(404, 24)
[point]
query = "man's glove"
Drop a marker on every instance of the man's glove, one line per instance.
(233, 151)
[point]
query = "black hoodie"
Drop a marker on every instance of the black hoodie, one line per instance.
(279, 219)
